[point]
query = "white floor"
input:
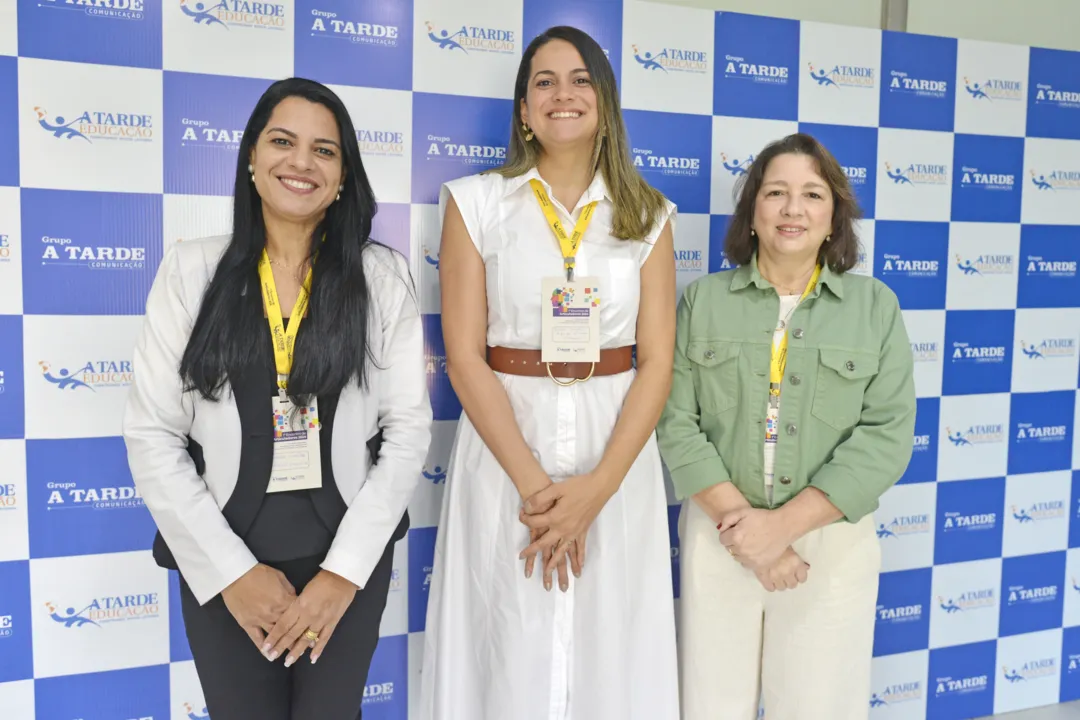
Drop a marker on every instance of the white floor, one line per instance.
(1070, 711)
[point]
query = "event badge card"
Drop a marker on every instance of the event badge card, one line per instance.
(571, 320)
(297, 460)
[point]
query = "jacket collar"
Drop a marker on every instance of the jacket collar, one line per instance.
(746, 275)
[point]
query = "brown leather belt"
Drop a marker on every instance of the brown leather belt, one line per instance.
(512, 361)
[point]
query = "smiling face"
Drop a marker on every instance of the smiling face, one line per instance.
(297, 161)
(793, 210)
(560, 103)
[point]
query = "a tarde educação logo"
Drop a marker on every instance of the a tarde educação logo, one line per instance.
(1056, 180)
(918, 174)
(844, 76)
(672, 59)
(236, 13)
(473, 38)
(898, 693)
(92, 375)
(969, 601)
(989, 264)
(107, 610)
(1049, 348)
(192, 714)
(993, 89)
(976, 435)
(1039, 511)
(95, 125)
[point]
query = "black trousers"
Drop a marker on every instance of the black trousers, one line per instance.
(240, 684)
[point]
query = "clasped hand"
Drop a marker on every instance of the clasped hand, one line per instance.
(559, 518)
(276, 619)
(759, 541)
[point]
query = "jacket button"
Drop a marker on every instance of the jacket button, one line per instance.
(850, 366)
(798, 333)
(785, 480)
(795, 379)
(709, 354)
(792, 429)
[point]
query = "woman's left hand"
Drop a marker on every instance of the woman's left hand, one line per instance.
(573, 505)
(755, 537)
(318, 608)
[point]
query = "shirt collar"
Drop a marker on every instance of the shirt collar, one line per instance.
(597, 190)
(748, 274)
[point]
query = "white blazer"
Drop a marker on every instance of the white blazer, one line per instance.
(160, 417)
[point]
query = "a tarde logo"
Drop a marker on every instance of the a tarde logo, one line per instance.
(976, 521)
(648, 161)
(972, 177)
(111, 9)
(1049, 348)
(1021, 594)
(1037, 512)
(1048, 94)
(98, 125)
(993, 89)
(71, 496)
(431, 258)
(918, 174)
(671, 59)
(738, 67)
(897, 694)
(9, 497)
(442, 147)
(6, 627)
(378, 693)
(689, 261)
(905, 526)
(962, 685)
(982, 599)
(91, 375)
(900, 613)
(203, 134)
(436, 475)
(976, 435)
(1030, 432)
(1036, 265)
(844, 76)
(473, 38)
(966, 352)
(235, 14)
(856, 175)
(735, 166)
(903, 82)
(383, 143)
(107, 610)
(1030, 670)
(65, 251)
(327, 24)
(895, 264)
(863, 263)
(1073, 662)
(1056, 179)
(5, 248)
(921, 444)
(986, 264)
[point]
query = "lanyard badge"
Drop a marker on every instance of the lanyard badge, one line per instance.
(778, 359)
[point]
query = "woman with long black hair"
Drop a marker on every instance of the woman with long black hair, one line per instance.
(279, 420)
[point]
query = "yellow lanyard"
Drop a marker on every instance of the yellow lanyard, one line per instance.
(778, 359)
(568, 244)
(284, 338)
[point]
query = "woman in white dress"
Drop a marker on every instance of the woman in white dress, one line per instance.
(543, 465)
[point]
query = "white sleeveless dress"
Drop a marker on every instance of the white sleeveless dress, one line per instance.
(498, 646)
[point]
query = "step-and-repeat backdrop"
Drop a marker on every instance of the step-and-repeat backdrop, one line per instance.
(119, 124)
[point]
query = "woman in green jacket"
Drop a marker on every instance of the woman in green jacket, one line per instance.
(792, 410)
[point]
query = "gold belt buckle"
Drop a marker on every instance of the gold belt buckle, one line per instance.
(561, 383)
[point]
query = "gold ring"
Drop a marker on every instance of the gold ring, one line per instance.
(312, 635)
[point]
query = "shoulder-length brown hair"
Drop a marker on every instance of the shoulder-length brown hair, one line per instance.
(636, 205)
(841, 252)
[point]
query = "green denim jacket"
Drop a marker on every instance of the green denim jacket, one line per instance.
(847, 402)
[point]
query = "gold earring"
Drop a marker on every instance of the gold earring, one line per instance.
(752, 233)
(528, 133)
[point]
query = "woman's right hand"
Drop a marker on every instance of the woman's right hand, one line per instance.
(787, 573)
(257, 599)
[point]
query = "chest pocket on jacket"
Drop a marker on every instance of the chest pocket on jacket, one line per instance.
(842, 379)
(716, 374)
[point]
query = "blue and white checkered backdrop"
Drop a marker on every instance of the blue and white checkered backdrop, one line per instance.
(119, 124)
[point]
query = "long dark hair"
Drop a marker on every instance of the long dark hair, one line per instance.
(231, 330)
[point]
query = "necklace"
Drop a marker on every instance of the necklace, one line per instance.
(787, 317)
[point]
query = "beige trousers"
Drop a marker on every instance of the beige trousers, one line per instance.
(805, 654)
